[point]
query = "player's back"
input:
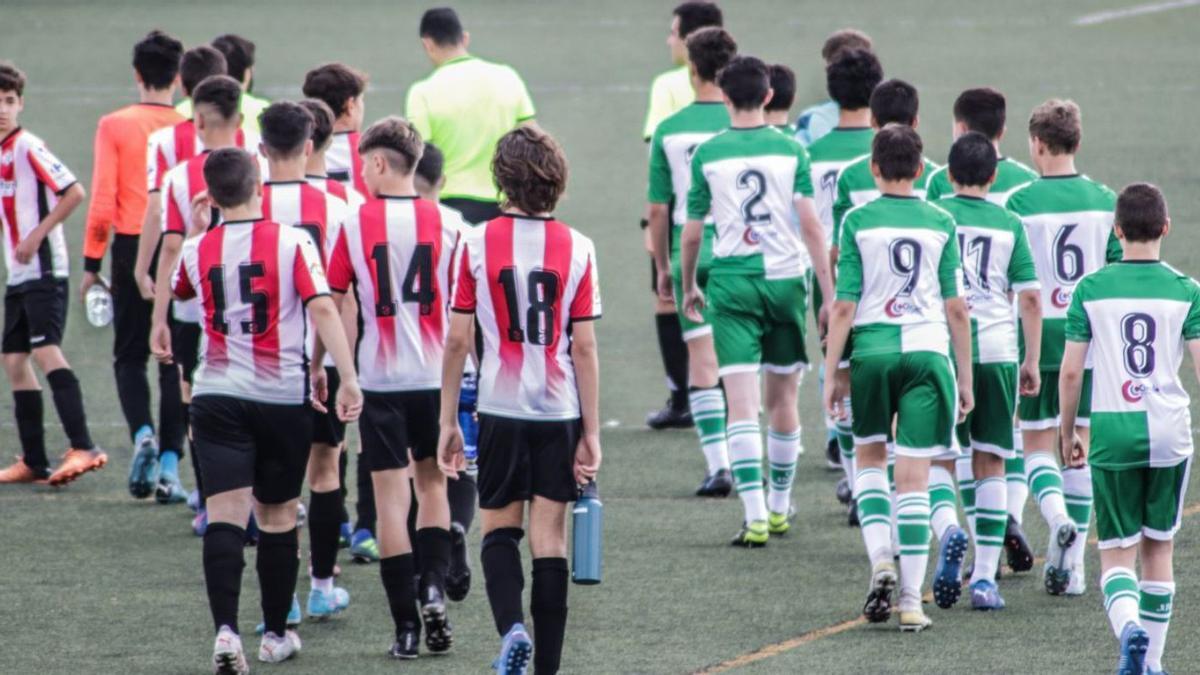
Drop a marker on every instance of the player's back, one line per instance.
(344, 163)
(170, 146)
(299, 204)
(856, 186)
(828, 155)
(671, 149)
(526, 279)
(1138, 316)
(397, 253)
(1010, 175)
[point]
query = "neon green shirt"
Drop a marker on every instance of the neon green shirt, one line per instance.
(252, 106)
(464, 107)
(669, 93)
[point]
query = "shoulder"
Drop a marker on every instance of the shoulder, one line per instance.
(856, 213)
(945, 217)
(940, 174)
(1019, 167)
(1020, 196)
(1101, 190)
(857, 165)
(451, 218)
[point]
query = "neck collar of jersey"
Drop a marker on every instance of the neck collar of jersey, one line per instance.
(888, 196)
(971, 197)
(1140, 262)
(156, 105)
(314, 176)
(522, 216)
(285, 182)
(404, 197)
(11, 135)
(851, 129)
(753, 128)
(243, 221)
(1062, 177)
(457, 59)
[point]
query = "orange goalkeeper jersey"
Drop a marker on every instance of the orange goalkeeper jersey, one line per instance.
(119, 175)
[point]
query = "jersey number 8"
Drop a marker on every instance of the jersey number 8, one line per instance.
(1138, 331)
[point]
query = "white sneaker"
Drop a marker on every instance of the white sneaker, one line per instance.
(276, 649)
(228, 657)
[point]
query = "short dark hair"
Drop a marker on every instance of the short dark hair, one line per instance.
(745, 82)
(972, 160)
(851, 77)
(322, 121)
(239, 54)
(982, 109)
(198, 63)
(709, 49)
(285, 127)
(334, 83)
(221, 92)
(896, 150)
(846, 38)
(696, 14)
(231, 175)
(530, 170)
(432, 164)
(1058, 124)
(442, 25)
(156, 59)
(11, 78)
(398, 139)
(1141, 212)
(894, 102)
(783, 83)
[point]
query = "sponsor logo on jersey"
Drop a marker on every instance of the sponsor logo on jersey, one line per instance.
(977, 298)
(8, 188)
(1134, 391)
(898, 307)
(752, 237)
(6, 158)
(1061, 297)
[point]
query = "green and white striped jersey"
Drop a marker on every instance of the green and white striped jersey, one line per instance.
(1010, 175)
(1069, 223)
(675, 139)
(749, 178)
(899, 261)
(856, 186)
(830, 154)
(1137, 316)
(996, 261)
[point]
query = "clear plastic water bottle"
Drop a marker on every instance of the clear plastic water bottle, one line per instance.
(467, 421)
(587, 559)
(98, 303)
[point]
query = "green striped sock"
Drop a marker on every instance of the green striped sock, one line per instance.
(1121, 597)
(943, 506)
(874, 513)
(964, 473)
(708, 411)
(912, 521)
(1018, 489)
(1154, 609)
(991, 517)
(782, 450)
(746, 455)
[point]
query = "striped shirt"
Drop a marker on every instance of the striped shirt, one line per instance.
(31, 180)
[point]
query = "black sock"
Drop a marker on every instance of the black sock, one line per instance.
(27, 408)
(278, 564)
(366, 498)
(134, 393)
(187, 426)
(223, 564)
(413, 507)
(461, 494)
(68, 400)
(324, 524)
(548, 606)
(343, 459)
(674, 356)
(503, 576)
(397, 574)
(434, 552)
(171, 425)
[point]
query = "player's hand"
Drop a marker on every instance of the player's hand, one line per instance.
(89, 279)
(693, 305)
(823, 321)
(587, 458)
(160, 342)
(349, 400)
(666, 289)
(27, 249)
(836, 389)
(1072, 451)
(647, 240)
(202, 206)
(450, 450)
(320, 389)
(145, 285)
(1030, 379)
(966, 402)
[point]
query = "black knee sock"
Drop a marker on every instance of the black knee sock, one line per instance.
(413, 507)
(223, 564)
(503, 576)
(397, 574)
(278, 564)
(27, 408)
(343, 459)
(548, 606)
(171, 429)
(68, 400)
(366, 498)
(187, 428)
(324, 522)
(434, 552)
(674, 357)
(134, 393)
(461, 494)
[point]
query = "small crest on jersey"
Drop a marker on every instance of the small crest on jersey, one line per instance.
(6, 158)
(1061, 297)
(752, 237)
(976, 298)
(898, 307)
(1134, 391)
(8, 188)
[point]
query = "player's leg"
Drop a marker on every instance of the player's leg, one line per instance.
(746, 453)
(33, 464)
(991, 445)
(1039, 420)
(549, 582)
(1016, 545)
(1077, 493)
(364, 547)
(1120, 497)
(672, 348)
(462, 492)
(174, 390)
(433, 517)
(952, 540)
(784, 360)
(131, 350)
(1164, 510)
(326, 505)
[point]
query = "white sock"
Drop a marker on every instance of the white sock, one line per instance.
(1077, 494)
(912, 516)
(874, 513)
(1045, 481)
(846, 445)
(942, 503)
(782, 450)
(891, 474)
(708, 412)
(964, 475)
(1155, 613)
(746, 455)
(1120, 597)
(991, 517)
(1018, 489)
(323, 585)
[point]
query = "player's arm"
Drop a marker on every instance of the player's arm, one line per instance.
(699, 205)
(460, 340)
(325, 318)
(813, 235)
(1070, 385)
(841, 204)
(148, 240)
(586, 358)
(68, 201)
(1029, 303)
(841, 318)
(658, 220)
(102, 211)
(958, 318)
(1194, 349)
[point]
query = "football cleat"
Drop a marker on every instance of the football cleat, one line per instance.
(344, 535)
(458, 576)
(878, 607)
(914, 620)
(144, 468)
(228, 657)
(670, 417)
(1134, 643)
(200, 523)
(842, 491)
(852, 513)
(405, 646)
(716, 484)
(293, 617)
(1020, 555)
(169, 490)
(986, 596)
(515, 651)
(301, 514)
(278, 648)
(833, 454)
(439, 635)
(752, 535)
(363, 547)
(20, 472)
(1056, 572)
(780, 523)
(76, 463)
(947, 580)
(193, 501)
(325, 604)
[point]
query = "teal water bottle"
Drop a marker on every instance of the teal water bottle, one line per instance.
(588, 532)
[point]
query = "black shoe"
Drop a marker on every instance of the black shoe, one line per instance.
(1020, 556)
(670, 417)
(833, 455)
(852, 513)
(405, 646)
(439, 635)
(843, 492)
(718, 484)
(458, 578)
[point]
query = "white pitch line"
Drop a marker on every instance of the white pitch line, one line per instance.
(1137, 10)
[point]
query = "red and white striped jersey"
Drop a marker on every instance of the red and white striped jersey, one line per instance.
(299, 204)
(31, 180)
(397, 251)
(170, 146)
(179, 187)
(344, 163)
(526, 279)
(252, 278)
(333, 186)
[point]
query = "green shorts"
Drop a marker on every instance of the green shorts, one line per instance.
(757, 323)
(1132, 503)
(988, 428)
(918, 389)
(691, 329)
(1041, 412)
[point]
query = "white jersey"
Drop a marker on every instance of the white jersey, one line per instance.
(31, 180)
(526, 280)
(396, 251)
(171, 146)
(343, 162)
(252, 279)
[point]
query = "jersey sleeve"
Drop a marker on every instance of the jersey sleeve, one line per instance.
(102, 208)
(1022, 273)
(849, 267)
(1191, 325)
(525, 109)
(181, 282)
(802, 185)
(660, 189)
(464, 283)
(308, 272)
(154, 172)
(173, 221)
(50, 171)
(699, 199)
(1079, 327)
(938, 185)
(341, 271)
(417, 112)
(950, 277)
(1113, 251)
(585, 306)
(841, 204)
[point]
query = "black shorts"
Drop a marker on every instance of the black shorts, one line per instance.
(242, 443)
(653, 276)
(474, 211)
(328, 428)
(522, 458)
(394, 422)
(185, 347)
(35, 315)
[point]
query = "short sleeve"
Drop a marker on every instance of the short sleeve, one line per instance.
(464, 283)
(1113, 252)
(841, 204)
(950, 277)
(585, 306)
(1079, 327)
(525, 109)
(1191, 325)
(849, 267)
(173, 221)
(308, 272)
(181, 283)
(802, 186)
(699, 199)
(417, 112)
(341, 270)
(50, 171)
(1022, 274)
(660, 188)
(153, 174)
(660, 108)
